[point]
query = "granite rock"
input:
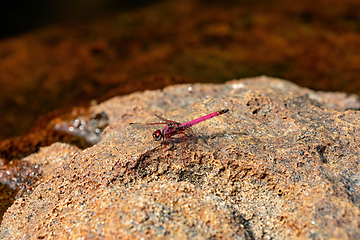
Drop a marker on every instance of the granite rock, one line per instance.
(283, 163)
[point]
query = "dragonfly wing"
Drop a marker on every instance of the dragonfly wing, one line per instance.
(164, 119)
(146, 126)
(189, 132)
(141, 124)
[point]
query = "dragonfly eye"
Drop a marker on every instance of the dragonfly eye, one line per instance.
(157, 135)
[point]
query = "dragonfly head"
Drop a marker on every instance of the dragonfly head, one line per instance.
(157, 135)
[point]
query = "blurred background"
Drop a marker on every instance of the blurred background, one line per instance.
(55, 55)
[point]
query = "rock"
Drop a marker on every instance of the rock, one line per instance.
(49, 158)
(282, 163)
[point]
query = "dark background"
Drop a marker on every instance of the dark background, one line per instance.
(22, 16)
(55, 55)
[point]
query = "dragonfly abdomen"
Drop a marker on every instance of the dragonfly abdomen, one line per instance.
(198, 120)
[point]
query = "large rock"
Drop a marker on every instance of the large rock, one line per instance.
(282, 163)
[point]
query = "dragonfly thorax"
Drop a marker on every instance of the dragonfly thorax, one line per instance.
(173, 128)
(157, 135)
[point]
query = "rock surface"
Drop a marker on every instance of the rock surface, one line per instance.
(283, 163)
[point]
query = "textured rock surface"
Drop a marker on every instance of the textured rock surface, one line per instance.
(283, 163)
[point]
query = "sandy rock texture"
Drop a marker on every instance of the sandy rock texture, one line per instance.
(283, 163)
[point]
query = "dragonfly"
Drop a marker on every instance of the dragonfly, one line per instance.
(174, 128)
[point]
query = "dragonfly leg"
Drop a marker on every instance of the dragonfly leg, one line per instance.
(159, 145)
(172, 145)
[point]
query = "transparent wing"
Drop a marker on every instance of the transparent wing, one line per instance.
(164, 119)
(142, 124)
